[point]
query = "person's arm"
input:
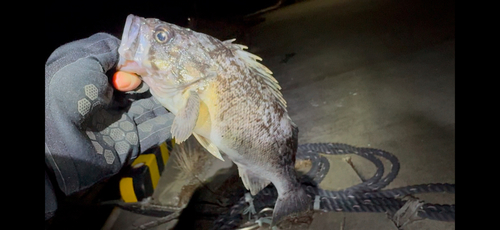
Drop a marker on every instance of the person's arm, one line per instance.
(91, 129)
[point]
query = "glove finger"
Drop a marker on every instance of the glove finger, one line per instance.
(147, 108)
(75, 76)
(101, 46)
(155, 131)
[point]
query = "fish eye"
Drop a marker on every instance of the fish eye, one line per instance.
(161, 35)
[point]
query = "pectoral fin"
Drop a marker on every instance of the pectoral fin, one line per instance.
(185, 119)
(209, 146)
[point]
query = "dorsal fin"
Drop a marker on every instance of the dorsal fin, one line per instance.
(257, 68)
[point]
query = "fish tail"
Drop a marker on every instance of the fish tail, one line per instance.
(294, 201)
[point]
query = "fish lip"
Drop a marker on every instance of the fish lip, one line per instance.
(129, 35)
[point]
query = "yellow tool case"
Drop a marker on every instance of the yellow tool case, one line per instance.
(141, 180)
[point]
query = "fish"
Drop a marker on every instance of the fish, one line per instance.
(224, 97)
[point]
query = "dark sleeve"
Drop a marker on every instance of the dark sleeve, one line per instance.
(50, 198)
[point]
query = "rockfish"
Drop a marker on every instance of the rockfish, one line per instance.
(225, 98)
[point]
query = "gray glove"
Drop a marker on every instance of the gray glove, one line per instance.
(92, 130)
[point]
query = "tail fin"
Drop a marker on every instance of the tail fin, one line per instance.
(293, 202)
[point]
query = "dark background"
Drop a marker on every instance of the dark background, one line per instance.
(68, 21)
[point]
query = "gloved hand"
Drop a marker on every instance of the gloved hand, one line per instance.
(91, 129)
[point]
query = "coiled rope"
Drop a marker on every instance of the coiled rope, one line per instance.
(364, 197)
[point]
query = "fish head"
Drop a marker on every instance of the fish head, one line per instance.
(166, 56)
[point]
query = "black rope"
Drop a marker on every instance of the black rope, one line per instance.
(364, 197)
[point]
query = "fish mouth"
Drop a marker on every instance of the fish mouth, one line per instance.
(133, 48)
